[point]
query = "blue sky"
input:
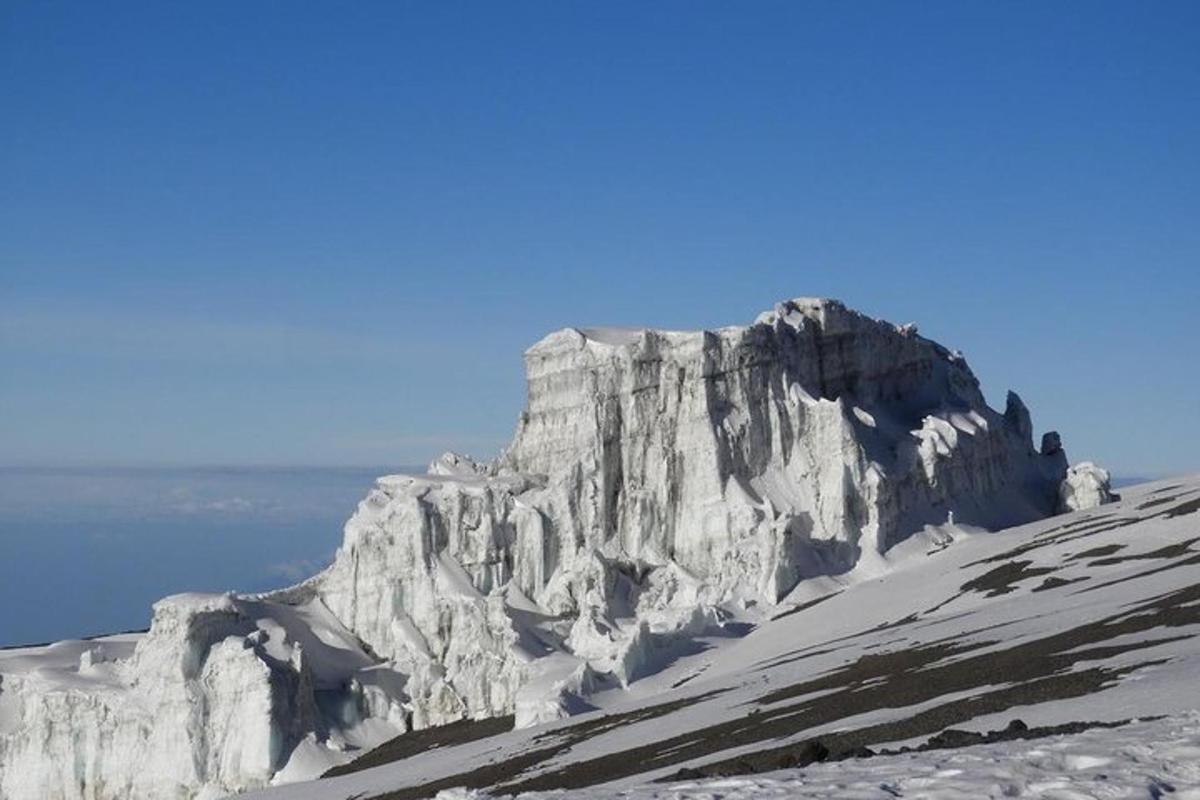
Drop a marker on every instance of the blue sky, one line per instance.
(285, 233)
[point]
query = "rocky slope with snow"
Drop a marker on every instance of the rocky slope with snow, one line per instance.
(661, 487)
(1157, 758)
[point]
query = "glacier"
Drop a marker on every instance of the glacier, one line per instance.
(660, 485)
(1071, 626)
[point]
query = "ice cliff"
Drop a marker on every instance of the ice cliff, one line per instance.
(659, 484)
(1085, 486)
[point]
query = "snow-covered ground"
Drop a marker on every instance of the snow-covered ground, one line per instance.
(1090, 616)
(1155, 759)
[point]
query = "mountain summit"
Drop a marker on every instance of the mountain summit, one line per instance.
(661, 486)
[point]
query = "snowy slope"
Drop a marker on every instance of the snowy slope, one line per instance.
(1154, 759)
(1085, 617)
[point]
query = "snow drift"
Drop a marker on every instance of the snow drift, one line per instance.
(658, 483)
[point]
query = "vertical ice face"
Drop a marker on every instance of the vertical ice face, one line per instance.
(657, 482)
(815, 424)
(654, 472)
(1085, 486)
(214, 697)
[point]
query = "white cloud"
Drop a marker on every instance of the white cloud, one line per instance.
(122, 495)
(182, 500)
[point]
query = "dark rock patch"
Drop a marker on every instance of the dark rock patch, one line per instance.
(1190, 507)
(1080, 529)
(807, 605)
(1096, 552)
(1055, 583)
(1017, 729)
(1158, 501)
(1003, 579)
(498, 772)
(689, 678)
(791, 658)
(953, 737)
(911, 618)
(410, 744)
(943, 604)
(801, 755)
(1083, 523)
(1170, 551)
(1183, 562)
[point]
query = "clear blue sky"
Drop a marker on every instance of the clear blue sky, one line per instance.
(306, 233)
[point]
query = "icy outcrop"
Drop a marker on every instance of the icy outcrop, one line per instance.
(659, 482)
(213, 699)
(1085, 486)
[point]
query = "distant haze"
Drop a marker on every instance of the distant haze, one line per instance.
(87, 551)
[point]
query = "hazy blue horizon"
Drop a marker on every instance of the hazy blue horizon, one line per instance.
(88, 550)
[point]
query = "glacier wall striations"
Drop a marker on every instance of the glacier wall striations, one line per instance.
(659, 484)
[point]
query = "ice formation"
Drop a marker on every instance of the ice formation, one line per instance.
(658, 483)
(1085, 486)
